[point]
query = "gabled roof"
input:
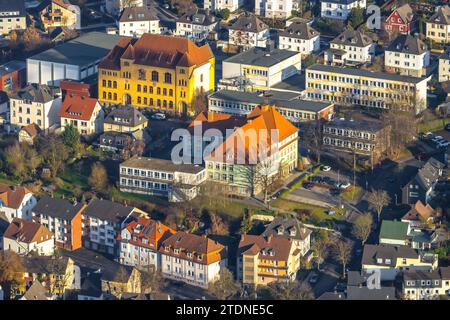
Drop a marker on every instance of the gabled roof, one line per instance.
(92, 285)
(12, 196)
(45, 264)
(429, 173)
(125, 116)
(13, 6)
(442, 273)
(419, 212)
(405, 43)
(352, 38)
(27, 231)
(78, 107)
(57, 208)
(198, 17)
(395, 230)
(300, 30)
(365, 293)
(249, 22)
(35, 292)
(373, 252)
(442, 16)
(405, 12)
(107, 210)
(32, 130)
(135, 14)
(40, 93)
(290, 228)
(265, 247)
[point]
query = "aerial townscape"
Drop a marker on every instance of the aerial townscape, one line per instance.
(224, 150)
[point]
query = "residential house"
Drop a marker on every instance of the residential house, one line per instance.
(13, 75)
(177, 182)
(419, 215)
(444, 67)
(12, 16)
(339, 9)
(24, 237)
(139, 242)
(61, 13)
(426, 284)
(91, 287)
(136, 21)
(16, 202)
(362, 137)
(438, 26)
(115, 7)
(280, 9)
(157, 72)
(290, 105)
(217, 5)
(63, 218)
(262, 260)
(36, 292)
(352, 86)
(102, 221)
(401, 20)
(235, 164)
(38, 104)
(117, 142)
(358, 288)
(351, 47)
(407, 55)
(196, 25)
(196, 260)
(29, 133)
(4, 109)
(64, 61)
(421, 186)
(125, 119)
(86, 88)
(248, 31)
(258, 69)
(83, 113)
(300, 37)
(389, 260)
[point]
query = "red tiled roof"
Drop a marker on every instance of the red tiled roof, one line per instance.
(268, 248)
(12, 197)
(27, 231)
(32, 129)
(78, 107)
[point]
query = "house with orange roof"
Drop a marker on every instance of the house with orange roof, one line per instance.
(420, 214)
(84, 113)
(24, 236)
(16, 202)
(139, 242)
(253, 152)
(29, 133)
(196, 260)
(156, 71)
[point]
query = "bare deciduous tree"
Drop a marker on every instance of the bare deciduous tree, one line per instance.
(342, 250)
(362, 227)
(378, 199)
(225, 287)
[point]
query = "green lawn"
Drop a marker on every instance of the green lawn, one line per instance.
(352, 194)
(317, 213)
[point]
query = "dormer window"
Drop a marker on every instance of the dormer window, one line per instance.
(189, 254)
(176, 251)
(379, 260)
(199, 258)
(166, 248)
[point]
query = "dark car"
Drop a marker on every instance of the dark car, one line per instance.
(315, 179)
(307, 185)
(447, 127)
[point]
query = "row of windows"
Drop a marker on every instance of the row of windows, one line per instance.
(349, 133)
(348, 144)
(147, 173)
(144, 184)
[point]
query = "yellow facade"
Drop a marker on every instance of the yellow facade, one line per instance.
(62, 14)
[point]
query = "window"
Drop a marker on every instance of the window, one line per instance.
(155, 76)
(167, 77)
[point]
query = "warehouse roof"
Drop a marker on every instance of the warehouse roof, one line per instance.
(261, 57)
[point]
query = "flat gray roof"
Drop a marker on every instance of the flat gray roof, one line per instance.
(261, 57)
(82, 51)
(160, 164)
(364, 73)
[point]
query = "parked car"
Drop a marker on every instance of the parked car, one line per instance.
(316, 179)
(331, 212)
(344, 185)
(159, 116)
(325, 168)
(307, 185)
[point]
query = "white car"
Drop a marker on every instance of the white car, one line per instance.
(344, 185)
(325, 168)
(159, 116)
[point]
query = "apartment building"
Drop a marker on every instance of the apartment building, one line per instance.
(136, 21)
(24, 237)
(389, 260)
(401, 20)
(426, 284)
(444, 67)
(139, 242)
(157, 72)
(102, 221)
(217, 5)
(259, 69)
(262, 260)
(300, 37)
(351, 86)
(339, 9)
(13, 76)
(233, 164)
(280, 9)
(63, 218)
(365, 138)
(351, 47)
(407, 55)
(12, 16)
(289, 105)
(248, 31)
(438, 27)
(83, 113)
(61, 13)
(38, 104)
(125, 119)
(16, 202)
(193, 259)
(177, 182)
(196, 25)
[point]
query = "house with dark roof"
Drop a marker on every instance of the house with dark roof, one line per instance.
(425, 284)
(389, 260)
(401, 20)
(197, 24)
(420, 187)
(361, 287)
(13, 16)
(38, 104)
(63, 218)
(339, 9)
(407, 55)
(13, 75)
(91, 287)
(351, 47)
(102, 222)
(16, 202)
(300, 37)
(83, 113)
(36, 292)
(124, 119)
(248, 31)
(438, 26)
(24, 237)
(194, 259)
(135, 21)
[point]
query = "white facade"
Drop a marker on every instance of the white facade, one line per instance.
(274, 8)
(407, 63)
(115, 7)
(335, 9)
(249, 39)
(24, 210)
(304, 46)
(196, 32)
(444, 69)
(138, 256)
(137, 28)
(353, 54)
(101, 233)
(46, 247)
(231, 5)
